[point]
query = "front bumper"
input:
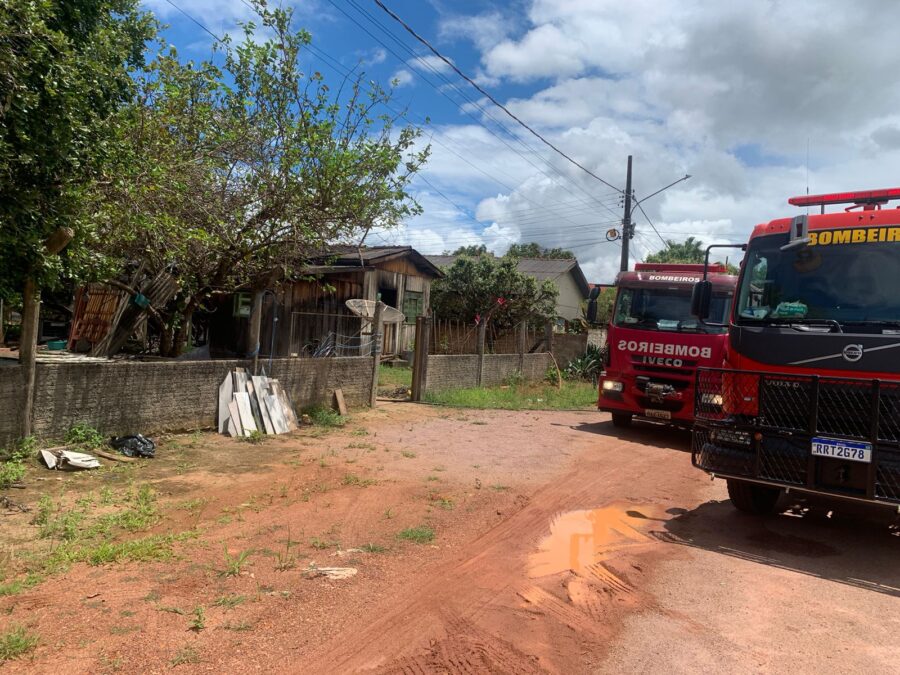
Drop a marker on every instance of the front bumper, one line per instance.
(640, 399)
(764, 432)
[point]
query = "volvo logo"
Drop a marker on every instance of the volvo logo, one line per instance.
(852, 353)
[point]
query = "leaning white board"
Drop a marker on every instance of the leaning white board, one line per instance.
(243, 403)
(226, 392)
(260, 389)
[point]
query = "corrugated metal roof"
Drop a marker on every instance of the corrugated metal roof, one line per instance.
(349, 255)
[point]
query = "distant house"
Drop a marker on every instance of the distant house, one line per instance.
(305, 316)
(566, 274)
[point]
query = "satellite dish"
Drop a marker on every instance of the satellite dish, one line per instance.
(366, 309)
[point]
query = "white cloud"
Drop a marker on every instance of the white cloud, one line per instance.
(730, 93)
(429, 64)
(402, 78)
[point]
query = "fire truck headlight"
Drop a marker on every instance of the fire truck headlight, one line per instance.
(711, 399)
(612, 385)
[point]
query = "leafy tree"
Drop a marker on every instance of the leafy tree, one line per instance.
(471, 250)
(230, 177)
(65, 69)
(535, 250)
(487, 288)
(689, 251)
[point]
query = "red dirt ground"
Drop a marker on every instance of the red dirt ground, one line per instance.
(554, 539)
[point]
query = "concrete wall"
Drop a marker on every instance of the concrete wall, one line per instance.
(461, 371)
(568, 346)
(148, 397)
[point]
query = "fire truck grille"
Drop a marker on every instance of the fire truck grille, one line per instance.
(864, 409)
(887, 477)
(783, 461)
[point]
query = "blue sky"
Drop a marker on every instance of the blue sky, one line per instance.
(751, 97)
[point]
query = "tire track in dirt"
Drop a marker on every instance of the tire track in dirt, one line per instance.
(505, 604)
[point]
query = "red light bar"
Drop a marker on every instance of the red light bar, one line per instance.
(859, 197)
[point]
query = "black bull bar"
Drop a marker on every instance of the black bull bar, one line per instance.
(760, 426)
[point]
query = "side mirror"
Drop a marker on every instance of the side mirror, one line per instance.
(700, 299)
(592, 310)
(595, 293)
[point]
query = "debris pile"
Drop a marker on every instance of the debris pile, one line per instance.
(63, 459)
(251, 403)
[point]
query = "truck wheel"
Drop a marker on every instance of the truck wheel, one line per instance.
(621, 420)
(758, 500)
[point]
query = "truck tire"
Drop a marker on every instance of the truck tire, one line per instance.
(758, 500)
(621, 420)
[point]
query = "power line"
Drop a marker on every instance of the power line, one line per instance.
(664, 242)
(214, 36)
(493, 100)
(455, 88)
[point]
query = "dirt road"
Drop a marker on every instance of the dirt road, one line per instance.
(560, 545)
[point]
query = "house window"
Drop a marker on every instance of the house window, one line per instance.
(242, 302)
(413, 306)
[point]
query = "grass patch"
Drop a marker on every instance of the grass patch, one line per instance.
(229, 601)
(12, 468)
(18, 585)
(394, 377)
(325, 417)
(239, 626)
(353, 479)
(185, 655)
(16, 642)
(423, 534)
(409, 454)
(572, 395)
(373, 548)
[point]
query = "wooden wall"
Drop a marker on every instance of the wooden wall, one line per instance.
(307, 311)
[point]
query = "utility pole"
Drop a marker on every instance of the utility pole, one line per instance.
(626, 220)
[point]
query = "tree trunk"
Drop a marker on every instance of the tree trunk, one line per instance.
(184, 331)
(31, 312)
(166, 338)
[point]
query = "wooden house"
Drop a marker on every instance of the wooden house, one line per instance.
(308, 316)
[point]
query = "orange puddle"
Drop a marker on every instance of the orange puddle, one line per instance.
(578, 540)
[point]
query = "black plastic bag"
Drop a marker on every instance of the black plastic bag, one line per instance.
(133, 446)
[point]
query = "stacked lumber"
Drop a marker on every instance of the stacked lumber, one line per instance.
(251, 403)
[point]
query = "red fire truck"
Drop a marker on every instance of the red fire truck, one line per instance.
(809, 396)
(655, 344)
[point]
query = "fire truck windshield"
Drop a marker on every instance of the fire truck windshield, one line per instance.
(842, 276)
(666, 309)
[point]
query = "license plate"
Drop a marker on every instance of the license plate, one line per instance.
(658, 414)
(838, 449)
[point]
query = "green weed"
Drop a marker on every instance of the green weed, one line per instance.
(229, 601)
(354, 480)
(84, 435)
(409, 454)
(322, 544)
(16, 642)
(373, 548)
(234, 564)
(255, 437)
(185, 655)
(198, 623)
(423, 534)
(325, 417)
